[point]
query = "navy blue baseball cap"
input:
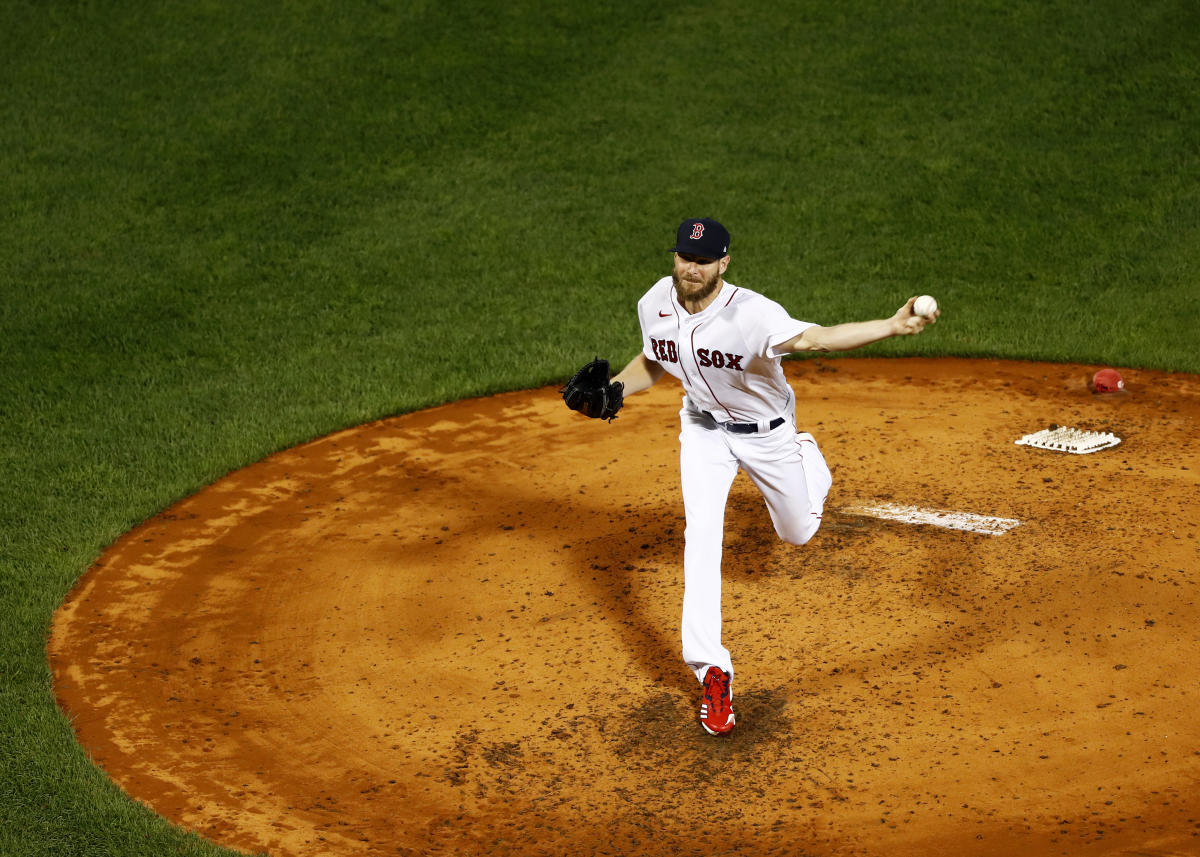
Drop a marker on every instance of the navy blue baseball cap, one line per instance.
(704, 237)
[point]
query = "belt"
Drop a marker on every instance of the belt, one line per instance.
(751, 428)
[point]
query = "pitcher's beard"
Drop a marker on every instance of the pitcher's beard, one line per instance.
(689, 291)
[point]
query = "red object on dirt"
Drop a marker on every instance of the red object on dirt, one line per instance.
(1107, 381)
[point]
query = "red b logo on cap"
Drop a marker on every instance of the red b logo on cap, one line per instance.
(697, 231)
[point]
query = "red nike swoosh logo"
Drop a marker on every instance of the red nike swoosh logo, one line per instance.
(662, 314)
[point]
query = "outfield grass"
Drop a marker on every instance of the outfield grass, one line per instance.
(231, 227)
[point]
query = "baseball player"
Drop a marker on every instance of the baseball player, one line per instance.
(724, 343)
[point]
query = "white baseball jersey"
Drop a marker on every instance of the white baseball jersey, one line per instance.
(724, 355)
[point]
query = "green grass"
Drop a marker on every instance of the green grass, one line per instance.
(228, 228)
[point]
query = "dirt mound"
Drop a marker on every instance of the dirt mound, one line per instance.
(456, 632)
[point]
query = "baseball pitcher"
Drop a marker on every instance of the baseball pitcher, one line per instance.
(725, 343)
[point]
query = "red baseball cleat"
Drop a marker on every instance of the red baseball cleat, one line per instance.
(716, 707)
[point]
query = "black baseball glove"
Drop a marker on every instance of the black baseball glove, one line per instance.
(591, 393)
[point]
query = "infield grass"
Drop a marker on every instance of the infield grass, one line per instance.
(231, 227)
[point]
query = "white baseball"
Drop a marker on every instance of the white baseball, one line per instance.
(925, 305)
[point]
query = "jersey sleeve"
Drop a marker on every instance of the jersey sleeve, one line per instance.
(647, 347)
(773, 349)
(771, 327)
(644, 311)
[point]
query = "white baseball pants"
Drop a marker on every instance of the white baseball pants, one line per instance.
(790, 472)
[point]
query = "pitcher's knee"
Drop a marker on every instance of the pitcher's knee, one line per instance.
(799, 531)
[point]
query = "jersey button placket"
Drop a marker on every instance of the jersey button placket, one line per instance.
(687, 346)
(686, 330)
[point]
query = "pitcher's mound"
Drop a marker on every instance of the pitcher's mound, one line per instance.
(456, 632)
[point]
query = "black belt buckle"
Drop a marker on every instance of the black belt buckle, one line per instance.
(752, 428)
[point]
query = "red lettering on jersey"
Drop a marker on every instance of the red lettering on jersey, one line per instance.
(664, 350)
(720, 359)
(697, 231)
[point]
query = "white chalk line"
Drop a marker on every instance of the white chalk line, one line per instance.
(965, 521)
